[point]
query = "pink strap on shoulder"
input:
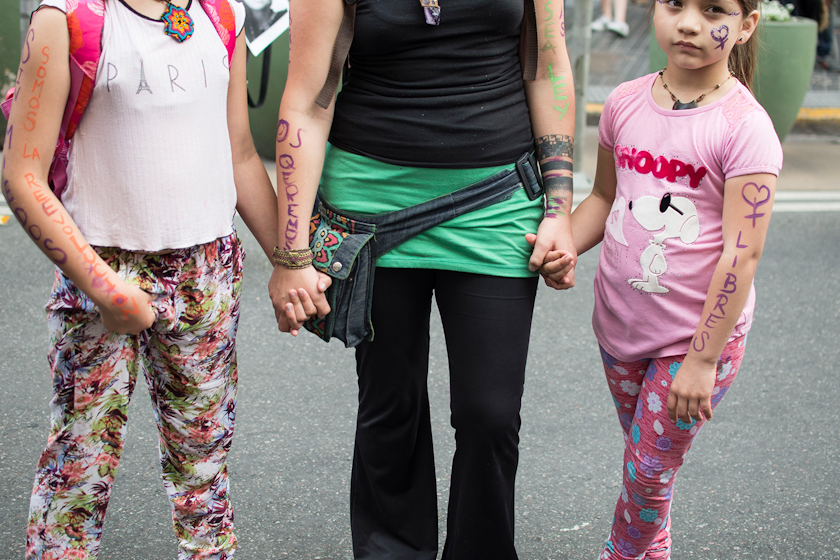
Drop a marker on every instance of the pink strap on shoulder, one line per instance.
(85, 20)
(221, 14)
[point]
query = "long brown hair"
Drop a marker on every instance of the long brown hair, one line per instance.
(743, 58)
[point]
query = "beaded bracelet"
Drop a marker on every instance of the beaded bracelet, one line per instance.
(295, 258)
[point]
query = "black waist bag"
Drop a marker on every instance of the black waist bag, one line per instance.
(346, 245)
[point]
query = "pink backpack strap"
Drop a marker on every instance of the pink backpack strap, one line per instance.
(221, 14)
(85, 20)
(6, 105)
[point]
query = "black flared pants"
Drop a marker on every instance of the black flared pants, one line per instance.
(487, 323)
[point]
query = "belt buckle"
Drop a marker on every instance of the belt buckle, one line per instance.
(533, 183)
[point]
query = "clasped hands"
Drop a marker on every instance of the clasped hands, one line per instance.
(298, 295)
(554, 254)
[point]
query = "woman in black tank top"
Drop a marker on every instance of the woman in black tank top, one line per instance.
(431, 86)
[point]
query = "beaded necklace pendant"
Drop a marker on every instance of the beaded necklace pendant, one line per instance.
(680, 105)
(431, 10)
(177, 23)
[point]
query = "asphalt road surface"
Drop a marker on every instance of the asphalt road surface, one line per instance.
(762, 481)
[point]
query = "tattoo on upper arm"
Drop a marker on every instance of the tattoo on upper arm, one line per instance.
(17, 82)
(30, 36)
(34, 102)
(548, 32)
(554, 152)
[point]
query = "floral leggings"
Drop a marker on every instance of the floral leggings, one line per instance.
(654, 449)
(188, 358)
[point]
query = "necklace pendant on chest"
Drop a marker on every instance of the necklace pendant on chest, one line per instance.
(431, 10)
(177, 23)
(680, 105)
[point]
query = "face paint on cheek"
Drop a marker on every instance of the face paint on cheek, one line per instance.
(720, 34)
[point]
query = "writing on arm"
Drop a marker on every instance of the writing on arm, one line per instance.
(286, 165)
(755, 197)
(29, 143)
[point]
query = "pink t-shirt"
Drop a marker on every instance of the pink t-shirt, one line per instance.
(663, 236)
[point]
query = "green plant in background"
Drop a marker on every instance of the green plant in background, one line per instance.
(773, 10)
(787, 48)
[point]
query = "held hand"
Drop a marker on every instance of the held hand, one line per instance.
(297, 294)
(134, 317)
(558, 270)
(554, 254)
(691, 392)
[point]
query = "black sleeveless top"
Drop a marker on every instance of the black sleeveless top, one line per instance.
(446, 96)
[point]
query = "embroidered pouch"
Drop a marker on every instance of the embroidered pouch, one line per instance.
(345, 245)
(341, 249)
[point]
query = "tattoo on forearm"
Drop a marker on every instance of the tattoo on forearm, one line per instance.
(557, 85)
(558, 196)
(755, 196)
(555, 145)
(550, 165)
(33, 226)
(286, 163)
(554, 152)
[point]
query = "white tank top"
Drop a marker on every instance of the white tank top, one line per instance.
(150, 164)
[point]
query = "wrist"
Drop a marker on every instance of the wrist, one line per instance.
(292, 258)
(558, 223)
(700, 359)
(101, 286)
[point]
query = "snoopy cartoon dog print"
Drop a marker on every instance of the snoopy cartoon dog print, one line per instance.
(667, 217)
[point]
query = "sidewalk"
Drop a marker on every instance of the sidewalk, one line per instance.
(614, 60)
(811, 149)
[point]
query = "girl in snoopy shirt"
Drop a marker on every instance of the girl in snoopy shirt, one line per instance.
(683, 192)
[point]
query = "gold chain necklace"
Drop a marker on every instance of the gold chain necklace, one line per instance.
(691, 104)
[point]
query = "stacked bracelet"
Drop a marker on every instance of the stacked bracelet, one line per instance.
(295, 258)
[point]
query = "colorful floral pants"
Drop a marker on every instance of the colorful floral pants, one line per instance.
(189, 360)
(654, 449)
